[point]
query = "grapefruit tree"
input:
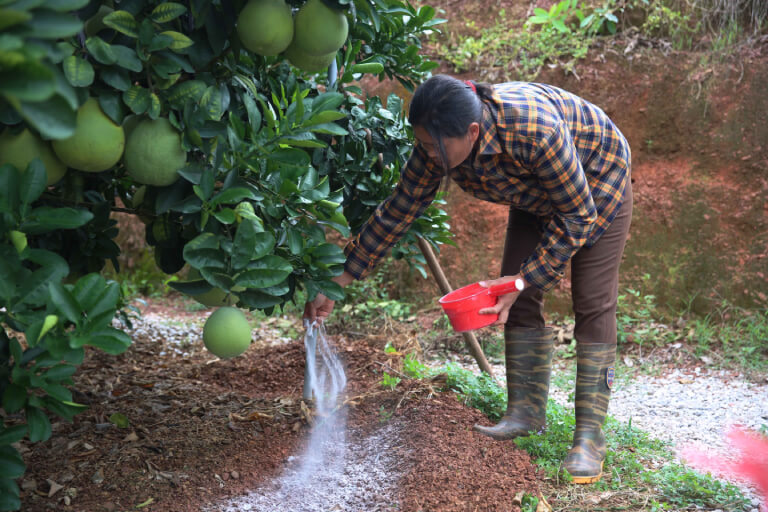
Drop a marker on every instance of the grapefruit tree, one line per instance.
(230, 139)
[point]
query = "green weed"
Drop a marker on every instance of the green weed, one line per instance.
(413, 368)
(631, 456)
(389, 381)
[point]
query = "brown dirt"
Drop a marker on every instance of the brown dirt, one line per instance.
(203, 430)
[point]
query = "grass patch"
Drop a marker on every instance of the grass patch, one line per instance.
(641, 472)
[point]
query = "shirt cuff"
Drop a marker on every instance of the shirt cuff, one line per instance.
(538, 272)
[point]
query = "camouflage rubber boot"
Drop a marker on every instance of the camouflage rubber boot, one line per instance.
(594, 376)
(528, 352)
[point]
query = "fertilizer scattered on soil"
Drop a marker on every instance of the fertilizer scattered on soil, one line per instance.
(355, 475)
(332, 474)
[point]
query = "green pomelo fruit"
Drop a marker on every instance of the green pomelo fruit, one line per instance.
(97, 143)
(319, 29)
(265, 27)
(19, 150)
(306, 62)
(154, 153)
(226, 333)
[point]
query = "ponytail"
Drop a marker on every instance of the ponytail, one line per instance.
(445, 107)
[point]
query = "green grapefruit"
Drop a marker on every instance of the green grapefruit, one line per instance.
(97, 143)
(265, 27)
(154, 153)
(318, 29)
(226, 333)
(18, 150)
(306, 62)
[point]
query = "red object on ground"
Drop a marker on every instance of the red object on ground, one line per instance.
(751, 466)
(462, 305)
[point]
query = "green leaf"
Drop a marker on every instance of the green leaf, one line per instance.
(329, 128)
(203, 251)
(326, 116)
(101, 50)
(14, 398)
(9, 495)
(44, 219)
(60, 372)
(123, 22)
(268, 271)
(11, 463)
(244, 244)
(254, 114)
(258, 299)
(225, 216)
(328, 254)
(112, 105)
(138, 99)
(88, 291)
(211, 101)
(53, 118)
(33, 183)
(65, 5)
(302, 140)
(10, 17)
(195, 287)
(52, 268)
(110, 340)
(13, 434)
(331, 290)
(57, 392)
(39, 425)
(47, 24)
(167, 11)
(26, 80)
(185, 92)
(232, 195)
(65, 90)
(127, 58)
(295, 241)
(180, 41)
(327, 101)
(116, 77)
(264, 243)
(154, 106)
(79, 72)
(65, 302)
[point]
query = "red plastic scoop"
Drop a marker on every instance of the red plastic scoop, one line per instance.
(462, 305)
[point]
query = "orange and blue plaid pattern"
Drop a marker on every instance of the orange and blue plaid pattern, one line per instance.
(541, 150)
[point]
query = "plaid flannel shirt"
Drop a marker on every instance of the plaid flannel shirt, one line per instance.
(541, 150)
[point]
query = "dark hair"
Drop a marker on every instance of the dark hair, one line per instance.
(445, 107)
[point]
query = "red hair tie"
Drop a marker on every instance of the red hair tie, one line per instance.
(471, 85)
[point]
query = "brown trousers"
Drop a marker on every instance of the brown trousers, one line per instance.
(594, 275)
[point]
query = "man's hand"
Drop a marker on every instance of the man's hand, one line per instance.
(319, 309)
(504, 303)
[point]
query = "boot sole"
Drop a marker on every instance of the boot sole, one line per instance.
(581, 480)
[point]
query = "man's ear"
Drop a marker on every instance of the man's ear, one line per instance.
(474, 131)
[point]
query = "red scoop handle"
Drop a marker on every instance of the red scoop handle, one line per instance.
(505, 288)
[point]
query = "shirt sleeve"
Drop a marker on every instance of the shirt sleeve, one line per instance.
(561, 175)
(415, 191)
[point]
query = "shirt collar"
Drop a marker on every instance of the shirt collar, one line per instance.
(489, 140)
